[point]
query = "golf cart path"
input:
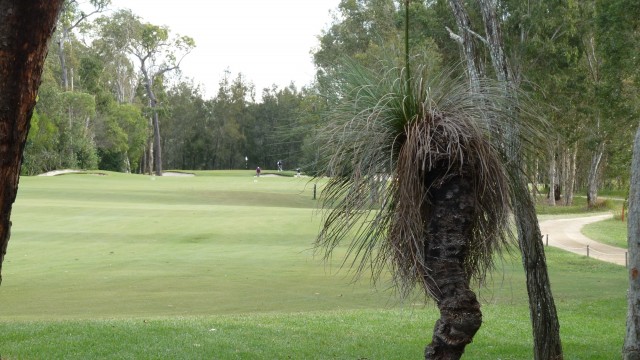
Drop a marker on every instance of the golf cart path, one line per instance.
(565, 234)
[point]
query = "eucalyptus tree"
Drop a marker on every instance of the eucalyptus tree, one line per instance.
(120, 137)
(545, 324)
(110, 46)
(64, 133)
(543, 39)
(157, 53)
(609, 41)
(71, 18)
(25, 29)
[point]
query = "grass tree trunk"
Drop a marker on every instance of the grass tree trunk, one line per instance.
(450, 226)
(25, 29)
(631, 348)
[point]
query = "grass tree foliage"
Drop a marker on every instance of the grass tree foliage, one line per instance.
(422, 154)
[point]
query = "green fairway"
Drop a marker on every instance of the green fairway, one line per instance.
(220, 266)
(87, 246)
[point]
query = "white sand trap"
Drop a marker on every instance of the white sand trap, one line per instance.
(60, 172)
(177, 173)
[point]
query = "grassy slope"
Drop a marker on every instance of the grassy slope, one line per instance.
(220, 266)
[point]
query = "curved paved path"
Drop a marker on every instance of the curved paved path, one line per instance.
(565, 234)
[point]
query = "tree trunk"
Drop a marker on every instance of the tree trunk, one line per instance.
(571, 175)
(149, 168)
(155, 122)
(474, 68)
(127, 163)
(594, 170)
(551, 198)
(25, 29)
(63, 63)
(453, 206)
(631, 348)
(534, 181)
(156, 143)
(542, 309)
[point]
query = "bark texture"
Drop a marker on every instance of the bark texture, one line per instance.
(474, 68)
(450, 226)
(570, 170)
(542, 309)
(631, 349)
(25, 28)
(551, 200)
(594, 170)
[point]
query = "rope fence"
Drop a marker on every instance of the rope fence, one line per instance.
(587, 251)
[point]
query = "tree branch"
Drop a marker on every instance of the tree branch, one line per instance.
(478, 36)
(454, 36)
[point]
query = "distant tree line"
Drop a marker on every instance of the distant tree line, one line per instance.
(112, 97)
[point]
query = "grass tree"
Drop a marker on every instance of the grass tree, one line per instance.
(419, 184)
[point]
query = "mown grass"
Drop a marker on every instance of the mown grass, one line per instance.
(612, 232)
(218, 266)
(578, 206)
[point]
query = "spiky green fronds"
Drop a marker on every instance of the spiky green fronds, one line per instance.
(388, 150)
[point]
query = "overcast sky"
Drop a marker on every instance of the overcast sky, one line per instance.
(268, 41)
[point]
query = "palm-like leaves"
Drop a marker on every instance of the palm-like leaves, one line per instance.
(388, 142)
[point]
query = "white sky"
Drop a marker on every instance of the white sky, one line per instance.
(268, 41)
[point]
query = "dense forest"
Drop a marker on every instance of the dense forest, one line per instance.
(112, 97)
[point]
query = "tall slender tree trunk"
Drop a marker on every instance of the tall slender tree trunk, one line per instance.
(156, 143)
(545, 324)
(571, 175)
(551, 200)
(25, 29)
(631, 348)
(594, 170)
(542, 309)
(150, 158)
(127, 163)
(64, 76)
(453, 206)
(155, 122)
(475, 70)
(534, 180)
